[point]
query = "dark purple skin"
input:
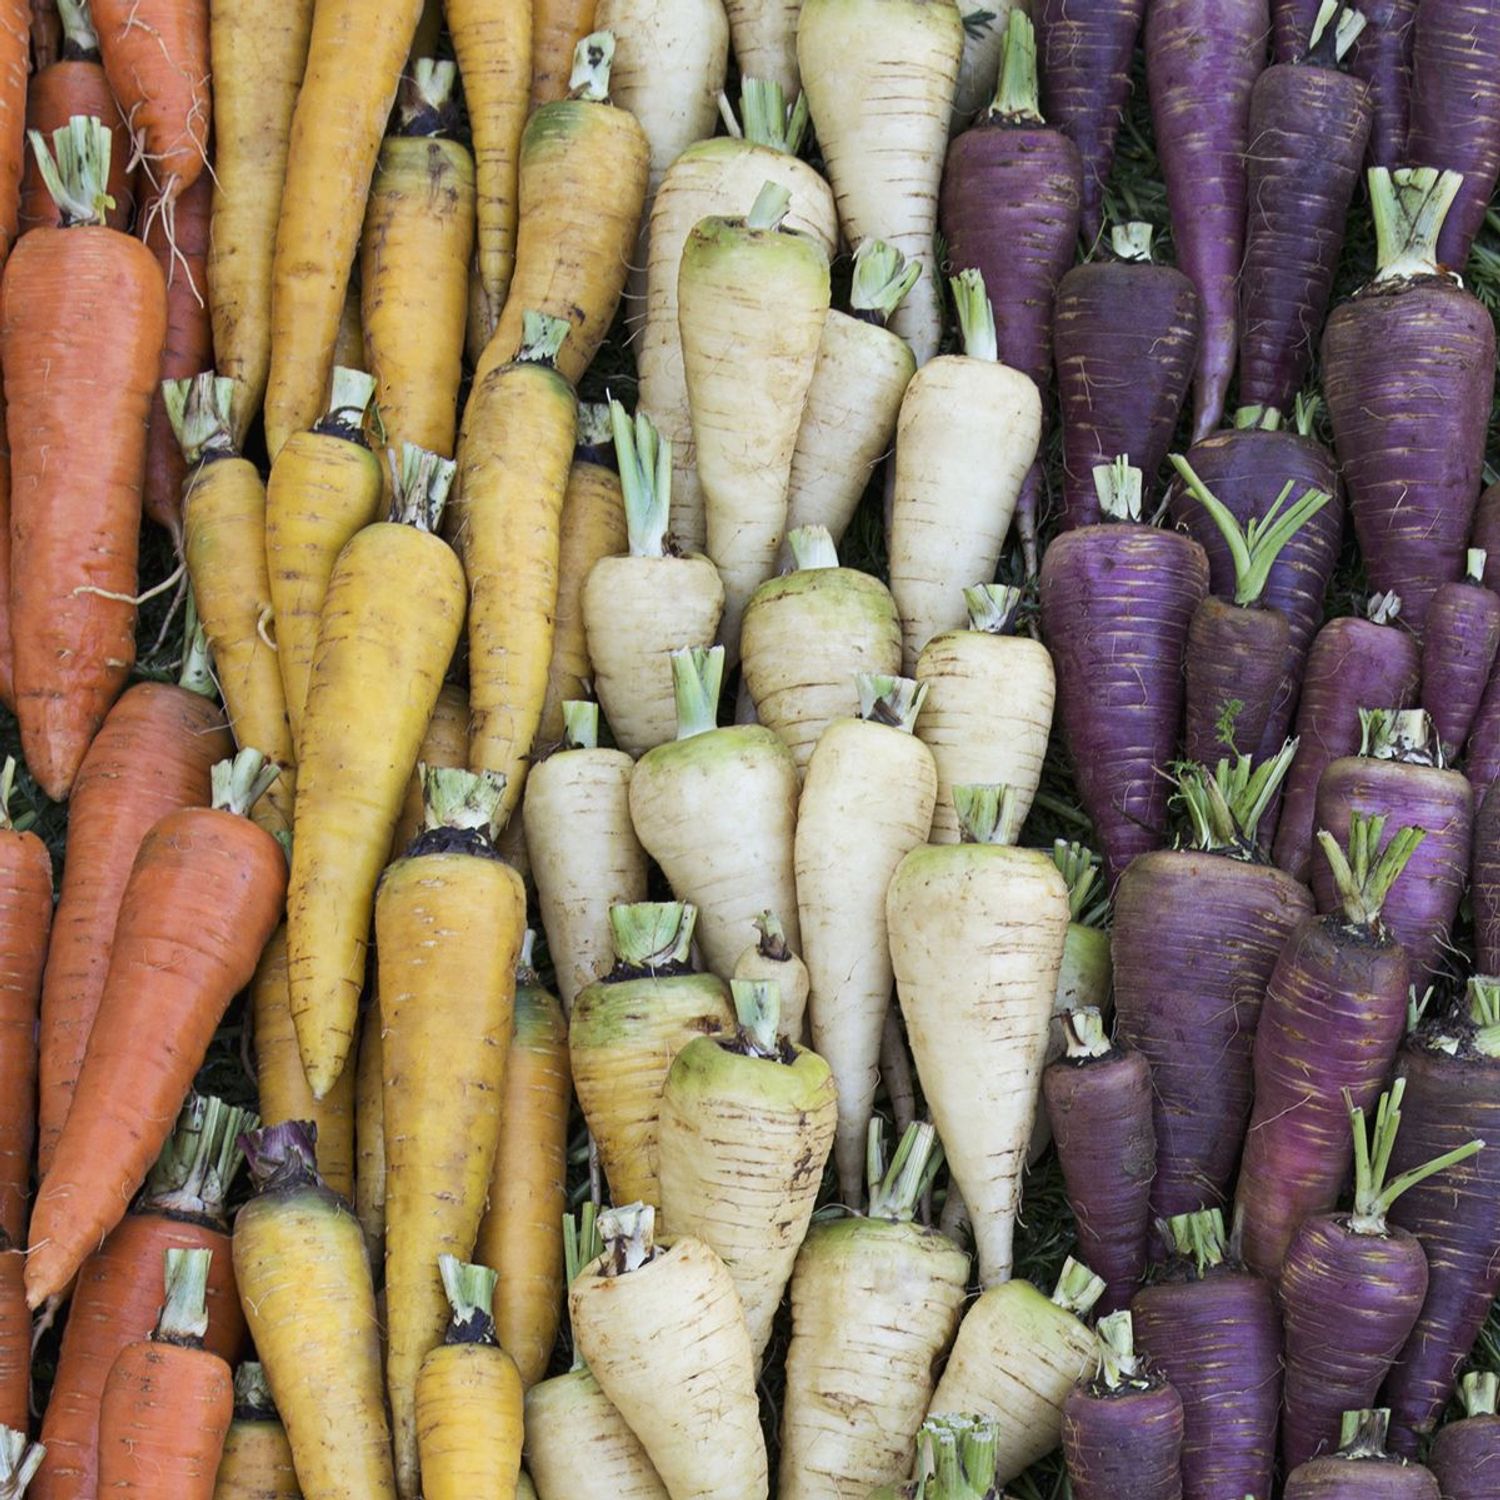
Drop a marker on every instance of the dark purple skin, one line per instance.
(1458, 653)
(1235, 654)
(1361, 1479)
(1348, 1303)
(1353, 664)
(1465, 1458)
(1482, 753)
(1409, 375)
(1421, 906)
(1125, 338)
(1218, 1340)
(1194, 941)
(1308, 128)
(1100, 1109)
(1484, 888)
(1124, 1442)
(1455, 110)
(1116, 602)
(1382, 57)
(1291, 26)
(1084, 50)
(1486, 534)
(1202, 60)
(1334, 1012)
(1456, 1216)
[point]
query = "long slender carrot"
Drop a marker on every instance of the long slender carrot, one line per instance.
(206, 889)
(82, 319)
(152, 757)
(15, 1337)
(7, 645)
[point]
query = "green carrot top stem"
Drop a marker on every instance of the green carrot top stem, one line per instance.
(644, 458)
(895, 1190)
(197, 1166)
(766, 119)
(1118, 486)
(420, 481)
(1365, 876)
(1362, 1433)
(1120, 1367)
(20, 1458)
(1382, 609)
(1079, 866)
(1482, 999)
(595, 428)
(770, 207)
(593, 58)
(581, 1247)
(253, 1401)
(580, 724)
(1077, 1289)
(350, 393)
(184, 1315)
(453, 798)
(1084, 1034)
(75, 167)
(1479, 1391)
(470, 1290)
(1132, 242)
(196, 673)
(80, 40)
(1330, 42)
(757, 1009)
(239, 783)
(628, 1234)
(987, 814)
(425, 105)
(542, 337)
(1017, 98)
(1476, 1027)
(811, 548)
(1401, 734)
(652, 935)
(1257, 418)
(198, 409)
(1474, 561)
(992, 608)
(697, 676)
(976, 317)
(7, 785)
(1197, 1238)
(1253, 548)
(525, 958)
(895, 702)
(1226, 803)
(770, 939)
(957, 1458)
(882, 278)
(1409, 205)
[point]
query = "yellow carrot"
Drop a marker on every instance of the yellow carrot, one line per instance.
(257, 1459)
(446, 743)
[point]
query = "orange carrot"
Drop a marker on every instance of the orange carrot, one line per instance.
(15, 59)
(7, 648)
(204, 895)
(15, 1337)
(83, 314)
(151, 757)
(557, 27)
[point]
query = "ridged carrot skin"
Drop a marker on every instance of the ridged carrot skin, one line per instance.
(1458, 654)
(1291, 29)
(15, 29)
(1338, 1477)
(1124, 1442)
(1466, 1454)
(15, 1338)
(1382, 57)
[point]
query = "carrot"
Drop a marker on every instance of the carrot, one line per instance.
(768, 958)
(259, 54)
(521, 1232)
(189, 349)
(257, 1459)
(76, 85)
(25, 922)
(151, 757)
(513, 468)
(449, 917)
(282, 1085)
(7, 645)
(355, 57)
(168, 1402)
(118, 1292)
(557, 27)
(469, 1396)
(369, 1134)
(392, 613)
(206, 888)
(299, 1258)
(325, 485)
(19, 1460)
(15, 1337)
(446, 744)
(414, 263)
(82, 321)
(15, 21)
(224, 545)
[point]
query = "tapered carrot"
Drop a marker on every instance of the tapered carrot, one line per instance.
(257, 1459)
(446, 744)
(7, 645)
(15, 1337)
(151, 757)
(15, 21)
(206, 888)
(82, 320)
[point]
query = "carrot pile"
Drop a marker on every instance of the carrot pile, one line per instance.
(560, 610)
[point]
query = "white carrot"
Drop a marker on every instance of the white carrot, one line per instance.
(768, 957)
(765, 40)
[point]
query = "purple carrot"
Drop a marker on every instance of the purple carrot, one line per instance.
(1333, 1015)
(1382, 57)
(1292, 23)
(1009, 209)
(1196, 934)
(1352, 663)
(1361, 1469)
(1202, 59)
(1351, 1289)
(1308, 127)
(1465, 1455)
(1399, 776)
(1409, 374)
(1086, 48)
(1484, 888)
(1455, 110)
(1482, 751)
(1125, 340)
(1116, 601)
(1238, 647)
(1212, 1329)
(1486, 534)
(1452, 1072)
(1458, 653)
(1098, 1099)
(1122, 1429)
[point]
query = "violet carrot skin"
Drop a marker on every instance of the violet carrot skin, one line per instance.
(1125, 343)
(1465, 1455)
(1202, 59)
(1482, 750)
(1400, 775)
(1452, 1072)
(1197, 932)
(1486, 533)
(1458, 653)
(1382, 57)
(1099, 1102)
(1123, 1426)
(1292, 23)
(1361, 1469)
(1484, 888)
(1212, 1329)
(1116, 602)
(1409, 375)
(1334, 1012)
(1351, 1288)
